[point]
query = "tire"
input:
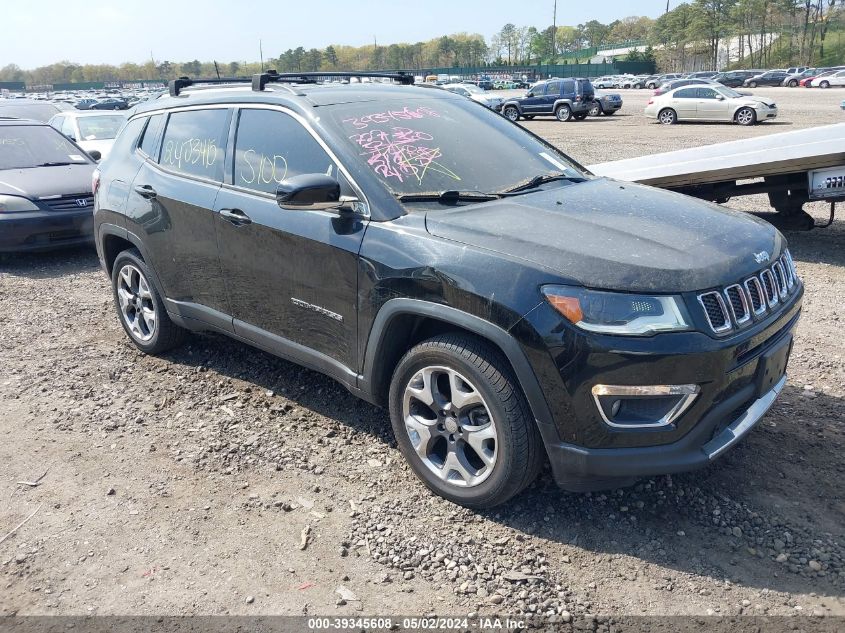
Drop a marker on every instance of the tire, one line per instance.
(651, 85)
(528, 117)
(746, 116)
(511, 113)
(563, 112)
(131, 284)
(580, 116)
(611, 113)
(752, 84)
(793, 83)
(508, 436)
(667, 116)
(824, 84)
(595, 110)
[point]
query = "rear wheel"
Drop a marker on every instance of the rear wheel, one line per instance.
(140, 307)
(511, 113)
(793, 83)
(461, 421)
(752, 84)
(667, 116)
(824, 84)
(746, 116)
(563, 112)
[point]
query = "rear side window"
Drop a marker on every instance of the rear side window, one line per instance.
(686, 93)
(150, 138)
(194, 143)
(271, 146)
(569, 86)
(553, 88)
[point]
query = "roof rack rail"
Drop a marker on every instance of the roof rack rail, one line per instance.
(260, 80)
(176, 85)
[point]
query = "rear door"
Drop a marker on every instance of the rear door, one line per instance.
(684, 102)
(291, 276)
(172, 203)
(552, 94)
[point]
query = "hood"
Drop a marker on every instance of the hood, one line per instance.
(752, 100)
(42, 182)
(618, 236)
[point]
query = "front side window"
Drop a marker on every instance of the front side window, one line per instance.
(271, 146)
(706, 93)
(194, 143)
(68, 129)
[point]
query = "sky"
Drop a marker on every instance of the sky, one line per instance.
(39, 32)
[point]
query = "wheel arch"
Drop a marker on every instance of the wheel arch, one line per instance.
(113, 240)
(402, 323)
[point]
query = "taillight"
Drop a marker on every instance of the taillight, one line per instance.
(95, 181)
(577, 97)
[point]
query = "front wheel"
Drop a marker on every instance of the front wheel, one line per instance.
(528, 117)
(140, 307)
(461, 421)
(793, 83)
(580, 116)
(752, 84)
(746, 116)
(563, 112)
(667, 116)
(595, 110)
(824, 84)
(511, 113)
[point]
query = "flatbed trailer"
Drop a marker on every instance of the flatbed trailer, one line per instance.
(792, 168)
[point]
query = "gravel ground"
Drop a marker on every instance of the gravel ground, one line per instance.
(218, 479)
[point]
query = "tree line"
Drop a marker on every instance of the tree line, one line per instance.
(695, 34)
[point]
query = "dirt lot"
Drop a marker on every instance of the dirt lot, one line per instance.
(191, 483)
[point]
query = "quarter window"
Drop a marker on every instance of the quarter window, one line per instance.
(148, 141)
(271, 146)
(194, 143)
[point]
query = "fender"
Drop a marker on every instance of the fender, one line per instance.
(514, 103)
(502, 338)
(561, 101)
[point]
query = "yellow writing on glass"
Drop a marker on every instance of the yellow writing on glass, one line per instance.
(255, 168)
(193, 151)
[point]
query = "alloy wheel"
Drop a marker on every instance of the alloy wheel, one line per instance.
(667, 117)
(745, 116)
(137, 308)
(450, 426)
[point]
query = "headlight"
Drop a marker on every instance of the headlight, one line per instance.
(618, 313)
(13, 204)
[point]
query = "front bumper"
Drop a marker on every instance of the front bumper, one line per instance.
(739, 378)
(45, 230)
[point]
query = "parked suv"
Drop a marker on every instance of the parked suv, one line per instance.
(562, 98)
(505, 305)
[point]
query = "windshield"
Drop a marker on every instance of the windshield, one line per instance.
(424, 145)
(95, 128)
(24, 146)
(731, 94)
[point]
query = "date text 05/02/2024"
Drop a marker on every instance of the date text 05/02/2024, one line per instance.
(415, 623)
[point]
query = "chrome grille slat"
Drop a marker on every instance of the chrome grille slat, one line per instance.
(738, 304)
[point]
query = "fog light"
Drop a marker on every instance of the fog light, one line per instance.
(643, 406)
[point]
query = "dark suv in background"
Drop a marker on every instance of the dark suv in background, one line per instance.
(505, 305)
(563, 98)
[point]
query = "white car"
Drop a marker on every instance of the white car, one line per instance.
(832, 79)
(91, 130)
(704, 102)
(476, 94)
(611, 81)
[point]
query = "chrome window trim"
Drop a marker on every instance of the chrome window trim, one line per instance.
(688, 392)
(760, 293)
(745, 304)
(727, 326)
(239, 105)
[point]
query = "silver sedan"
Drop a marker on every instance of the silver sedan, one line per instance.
(710, 103)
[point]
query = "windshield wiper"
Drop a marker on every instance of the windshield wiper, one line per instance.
(55, 164)
(448, 197)
(542, 179)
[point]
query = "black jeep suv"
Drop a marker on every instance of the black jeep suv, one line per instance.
(508, 307)
(564, 99)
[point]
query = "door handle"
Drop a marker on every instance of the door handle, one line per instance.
(236, 216)
(145, 191)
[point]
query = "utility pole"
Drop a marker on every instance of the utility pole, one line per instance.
(667, 6)
(261, 54)
(554, 32)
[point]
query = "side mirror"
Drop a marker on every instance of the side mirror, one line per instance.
(95, 154)
(312, 192)
(720, 97)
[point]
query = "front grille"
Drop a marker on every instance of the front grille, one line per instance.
(738, 304)
(69, 203)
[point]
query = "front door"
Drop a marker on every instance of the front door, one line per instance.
(291, 275)
(710, 107)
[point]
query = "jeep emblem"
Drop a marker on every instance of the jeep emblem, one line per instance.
(761, 257)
